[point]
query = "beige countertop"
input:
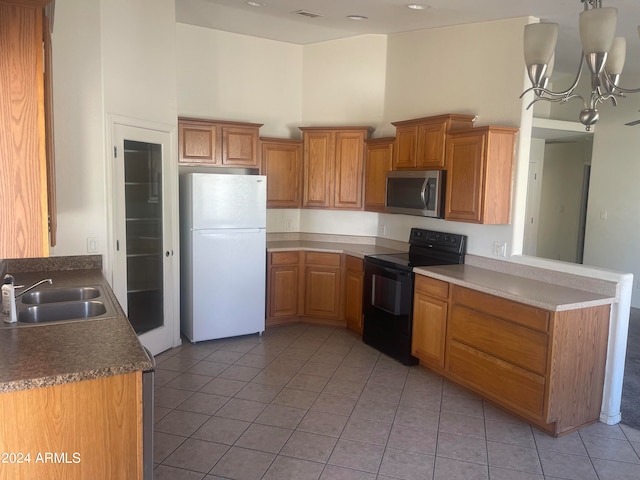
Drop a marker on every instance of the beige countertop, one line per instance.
(33, 356)
(353, 249)
(539, 294)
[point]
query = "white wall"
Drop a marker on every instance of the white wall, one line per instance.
(612, 242)
(227, 76)
(78, 127)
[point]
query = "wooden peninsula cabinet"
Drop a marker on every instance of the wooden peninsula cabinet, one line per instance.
(333, 166)
(282, 164)
(353, 285)
(94, 428)
(547, 367)
(218, 143)
(378, 161)
(479, 169)
(420, 143)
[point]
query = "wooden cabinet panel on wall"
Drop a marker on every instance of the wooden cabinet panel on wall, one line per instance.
(218, 143)
(284, 288)
(282, 164)
(420, 143)
(323, 285)
(23, 128)
(378, 161)
(479, 175)
(353, 284)
(333, 167)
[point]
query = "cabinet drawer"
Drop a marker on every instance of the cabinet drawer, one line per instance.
(284, 258)
(506, 384)
(319, 258)
(513, 343)
(519, 313)
(353, 263)
(431, 286)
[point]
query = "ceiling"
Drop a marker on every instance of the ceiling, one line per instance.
(275, 20)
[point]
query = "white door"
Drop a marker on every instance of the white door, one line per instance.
(145, 252)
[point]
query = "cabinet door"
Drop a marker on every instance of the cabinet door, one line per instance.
(353, 283)
(430, 148)
(283, 291)
(197, 143)
(240, 146)
(378, 160)
(318, 169)
(349, 168)
(404, 152)
(429, 330)
(465, 167)
(282, 164)
(322, 292)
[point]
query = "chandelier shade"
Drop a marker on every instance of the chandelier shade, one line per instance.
(616, 57)
(597, 29)
(539, 43)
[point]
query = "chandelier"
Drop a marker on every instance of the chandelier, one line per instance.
(602, 52)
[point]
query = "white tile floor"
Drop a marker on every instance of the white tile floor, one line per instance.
(308, 402)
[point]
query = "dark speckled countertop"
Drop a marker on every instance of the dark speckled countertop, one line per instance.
(33, 356)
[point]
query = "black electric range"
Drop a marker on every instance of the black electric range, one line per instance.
(388, 289)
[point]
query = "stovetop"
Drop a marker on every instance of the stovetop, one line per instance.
(426, 248)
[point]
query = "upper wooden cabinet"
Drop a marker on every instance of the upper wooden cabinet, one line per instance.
(378, 160)
(420, 143)
(282, 164)
(479, 166)
(333, 166)
(218, 143)
(24, 120)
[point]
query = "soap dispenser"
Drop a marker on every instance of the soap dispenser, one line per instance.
(9, 300)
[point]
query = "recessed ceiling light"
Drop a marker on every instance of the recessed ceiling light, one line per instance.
(255, 4)
(357, 17)
(418, 6)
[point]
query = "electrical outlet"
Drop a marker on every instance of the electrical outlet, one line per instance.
(383, 230)
(288, 224)
(92, 245)
(500, 249)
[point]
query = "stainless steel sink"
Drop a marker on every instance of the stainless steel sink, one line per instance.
(55, 312)
(54, 295)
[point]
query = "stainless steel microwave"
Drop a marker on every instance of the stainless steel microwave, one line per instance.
(416, 192)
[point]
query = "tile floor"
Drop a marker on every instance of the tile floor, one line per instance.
(308, 402)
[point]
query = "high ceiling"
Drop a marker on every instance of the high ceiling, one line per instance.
(276, 19)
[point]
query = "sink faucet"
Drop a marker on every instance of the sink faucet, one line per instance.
(9, 296)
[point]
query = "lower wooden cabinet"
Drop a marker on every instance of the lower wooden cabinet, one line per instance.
(94, 427)
(323, 285)
(544, 366)
(353, 284)
(283, 292)
(429, 321)
(310, 286)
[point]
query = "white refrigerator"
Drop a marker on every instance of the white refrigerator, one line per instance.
(223, 255)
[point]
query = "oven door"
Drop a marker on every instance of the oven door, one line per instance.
(387, 308)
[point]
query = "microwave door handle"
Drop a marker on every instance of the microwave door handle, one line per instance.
(424, 192)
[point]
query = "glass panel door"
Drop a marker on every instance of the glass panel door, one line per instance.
(143, 216)
(144, 233)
